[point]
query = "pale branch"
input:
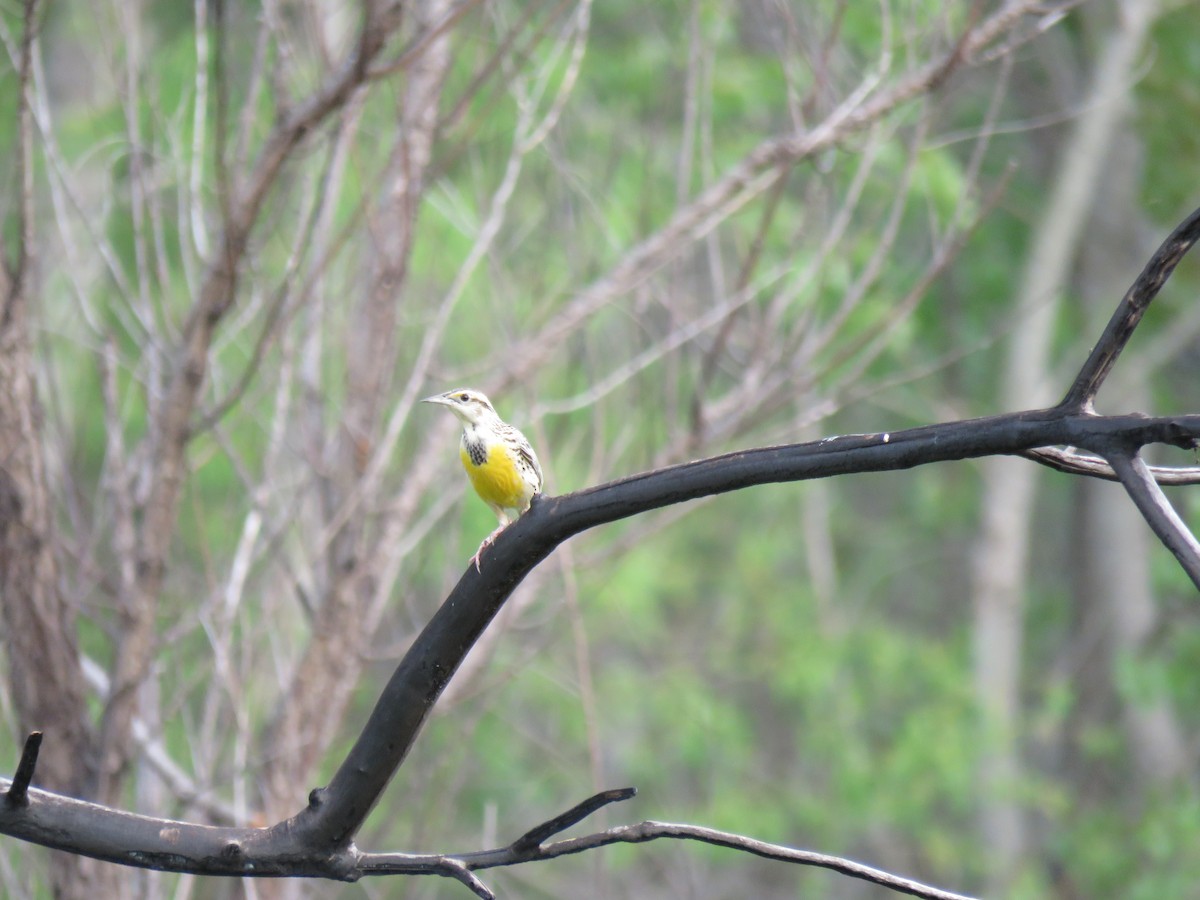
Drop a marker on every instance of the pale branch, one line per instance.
(1075, 463)
(172, 429)
(651, 830)
(505, 52)
(411, 53)
(1154, 506)
(757, 171)
(37, 624)
(531, 847)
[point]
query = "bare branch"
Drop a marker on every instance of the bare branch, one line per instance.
(216, 297)
(424, 40)
(173, 846)
(436, 654)
(535, 837)
(38, 624)
(650, 831)
(530, 848)
(1127, 316)
(18, 790)
(1074, 463)
(754, 174)
(1142, 488)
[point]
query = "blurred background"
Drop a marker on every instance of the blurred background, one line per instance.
(651, 233)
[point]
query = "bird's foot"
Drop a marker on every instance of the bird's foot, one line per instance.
(487, 542)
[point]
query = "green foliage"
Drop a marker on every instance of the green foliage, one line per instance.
(1136, 853)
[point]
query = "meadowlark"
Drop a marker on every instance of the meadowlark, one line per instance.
(501, 464)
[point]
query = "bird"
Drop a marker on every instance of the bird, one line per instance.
(500, 462)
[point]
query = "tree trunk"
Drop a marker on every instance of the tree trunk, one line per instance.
(1002, 559)
(44, 673)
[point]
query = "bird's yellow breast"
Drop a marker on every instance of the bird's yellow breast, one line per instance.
(496, 479)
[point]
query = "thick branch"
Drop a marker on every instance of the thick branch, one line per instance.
(173, 846)
(438, 651)
(76, 826)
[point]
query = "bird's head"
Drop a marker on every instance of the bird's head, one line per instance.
(472, 407)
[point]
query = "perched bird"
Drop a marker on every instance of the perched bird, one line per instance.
(502, 466)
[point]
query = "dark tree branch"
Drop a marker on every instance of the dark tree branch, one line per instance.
(89, 829)
(173, 846)
(1129, 313)
(416, 684)
(535, 837)
(18, 790)
(437, 652)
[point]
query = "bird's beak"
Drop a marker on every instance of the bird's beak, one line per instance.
(441, 399)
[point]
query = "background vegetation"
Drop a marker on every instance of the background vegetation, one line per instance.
(981, 679)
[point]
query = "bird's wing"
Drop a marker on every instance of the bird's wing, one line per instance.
(525, 451)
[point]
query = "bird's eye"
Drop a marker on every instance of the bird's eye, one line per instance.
(464, 397)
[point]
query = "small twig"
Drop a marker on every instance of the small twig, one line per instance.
(1135, 475)
(533, 838)
(460, 872)
(18, 791)
(529, 848)
(649, 831)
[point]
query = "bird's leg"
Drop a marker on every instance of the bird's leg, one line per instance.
(489, 540)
